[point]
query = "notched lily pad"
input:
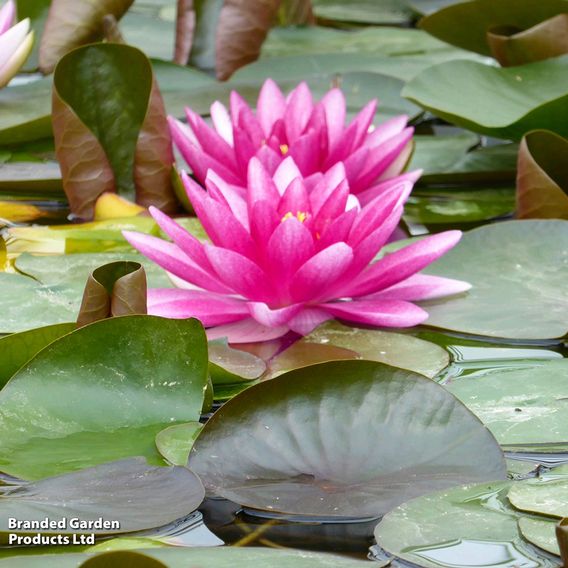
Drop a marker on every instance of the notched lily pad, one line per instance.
(129, 495)
(175, 442)
(543, 495)
(346, 438)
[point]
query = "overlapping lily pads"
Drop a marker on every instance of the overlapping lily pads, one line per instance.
(517, 270)
(504, 103)
(136, 496)
(346, 438)
(102, 393)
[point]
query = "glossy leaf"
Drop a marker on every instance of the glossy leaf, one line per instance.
(542, 181)
(362, 11)
(175, 442)
(241, 30)
(70, 24)
(110, 128)
(137, 496)
(120, 559)
(521, 406)
(333, 341)
(341, 439)
(222, 557)
(486, 99)
(18, 348)
(512, 46)
(102, 392)
(465, 24)
(442, 529)
(517, 273)
(115, 289)
(32, 177)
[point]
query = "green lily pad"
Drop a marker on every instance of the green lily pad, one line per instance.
(223, 557)
(518, 273)
(128, 494)
(345, 438)
(465, 24)
(334, 341)
(504, 103)
(102, 393)
(543, 495)
(18, 348)
(31, 177)
(175, 442)
(445, 528)
(523, 407)
(541, 533)
(122, 558)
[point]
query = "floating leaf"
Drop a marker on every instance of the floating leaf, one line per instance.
(517, 271)
(524, 407)
(32, 177)
(486, 99)
(120, 559)
(542, 182)
(175, 442)
(120, 146)
(18, 348)
(346, 438)
(101, 393)
(541, 533)
(70, 24)
(465, 24)
(545, 496)
(128, 492)
(222, 557)
(114, 289)
(469, 522)
(333, 341)
(241, 30)
(362, 11)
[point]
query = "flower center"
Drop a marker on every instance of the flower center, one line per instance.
(300, 215)
(284, 149)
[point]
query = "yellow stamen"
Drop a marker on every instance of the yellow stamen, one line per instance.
(300, 215)
(284, 149)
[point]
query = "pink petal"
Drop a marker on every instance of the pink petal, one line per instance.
(246, 331)
(268, 317)
(199, 161)
(331, 208)
(245, 149)
(315, 277)
(239, 273)
(270, 107)
(423, 287)
(326, 186)
(232, 196)
(174, 260)
(369, 194)
(244, 119)
(295, 199)
(400, 163)
(386, 130)
(7, 16)
(183, 239)
(210, 309)
(383, 313)
(308, 319)
(285, 174)
(269, 158)
(397, 266)
(217, 220)
(306, 152)
(261, 187)
(337, 230)
(11, 40)
(334, 107)
(299, 109)
(222, 122)
(264, 220)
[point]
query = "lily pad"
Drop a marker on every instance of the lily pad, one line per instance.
(102, 393)
(545, 496)
(541, 533)
(175, 442)
(345, 438)
(225, 557)
(31, 177)
(504, 103)
(523, 407)
(18, 348)
(127, 492)
(362, 11)
(333, 341)
(445, 528)
(518, 272)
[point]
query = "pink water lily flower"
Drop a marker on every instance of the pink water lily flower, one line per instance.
(16, 42)
(287, 254)
(313, 134)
